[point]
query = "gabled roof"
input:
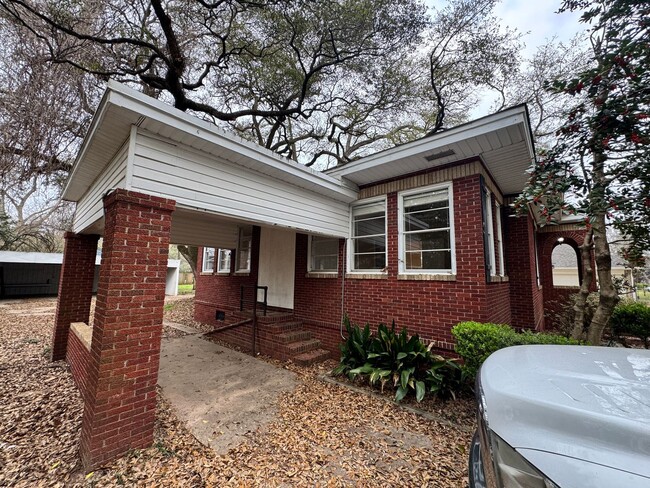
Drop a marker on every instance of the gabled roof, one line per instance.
(503, 142)
(122, 107)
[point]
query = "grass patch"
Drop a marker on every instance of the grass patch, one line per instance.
(185, 289)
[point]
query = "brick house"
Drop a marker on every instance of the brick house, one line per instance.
(420, 234)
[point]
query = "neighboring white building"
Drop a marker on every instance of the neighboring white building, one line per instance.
(37, 273)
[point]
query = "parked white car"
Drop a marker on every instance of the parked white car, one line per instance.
(563, 416)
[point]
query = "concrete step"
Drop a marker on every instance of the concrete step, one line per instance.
(311, 357)
(292, 336)
(298, 347)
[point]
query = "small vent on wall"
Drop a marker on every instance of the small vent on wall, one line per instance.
(440, 155)
(220, 315)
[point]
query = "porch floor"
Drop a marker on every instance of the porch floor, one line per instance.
(220, 394)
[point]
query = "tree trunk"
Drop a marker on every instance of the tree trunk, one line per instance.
(191, 255)
(587, 278)
(608, 294)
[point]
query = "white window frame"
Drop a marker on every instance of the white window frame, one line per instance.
(239, 268)
(502, 267)
(490, 231)
(218, 259)
(401, 244)
(310, 269)
(204, 269)
(350, 244)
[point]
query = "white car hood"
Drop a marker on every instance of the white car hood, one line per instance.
(587, 403)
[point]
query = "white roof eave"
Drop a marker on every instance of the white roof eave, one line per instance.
(257, 157)
(509, 117)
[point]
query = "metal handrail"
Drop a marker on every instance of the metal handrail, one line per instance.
(241, 308)
(255, 301)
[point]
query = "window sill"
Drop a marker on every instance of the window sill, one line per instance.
(207, 273)
(499, 279)
(242, 273)
(366, 276)
(427, 277)
(223, 273)
(313, 274)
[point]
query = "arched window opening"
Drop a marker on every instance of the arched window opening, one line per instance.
(565, 266)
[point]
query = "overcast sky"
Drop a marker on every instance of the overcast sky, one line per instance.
(537, 20)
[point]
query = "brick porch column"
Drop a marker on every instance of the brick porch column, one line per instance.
(120, 407)
(75, 288)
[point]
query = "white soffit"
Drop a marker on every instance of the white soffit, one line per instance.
(502, 140)
(122, 107)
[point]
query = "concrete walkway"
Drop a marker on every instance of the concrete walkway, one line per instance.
(220, 394)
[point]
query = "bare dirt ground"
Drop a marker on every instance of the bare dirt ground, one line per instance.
(323, 434)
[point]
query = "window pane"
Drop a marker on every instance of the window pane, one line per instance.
(325, 263)
(244, 259)
(370, 261)
(428, 219)
(369, 209)
(208, 259)
(324, 245)
(428, 240)
(428, 260)
(370, 245)
(324, 254)
(426, 201)
(224, 260)
(371, 226)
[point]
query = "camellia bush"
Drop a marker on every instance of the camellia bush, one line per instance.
(475, 341)
(631, 319)
(398, 361)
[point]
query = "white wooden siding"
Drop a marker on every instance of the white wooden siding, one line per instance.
(202, 181)
(90, 207)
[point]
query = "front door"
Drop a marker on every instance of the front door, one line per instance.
(277, 266)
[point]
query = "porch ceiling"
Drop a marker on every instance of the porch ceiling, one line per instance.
(502, 141)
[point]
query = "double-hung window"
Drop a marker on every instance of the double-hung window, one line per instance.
(223, 261)
(426, 228)
(323, 254)
(244, 249)
(208, 260)
(368, 242)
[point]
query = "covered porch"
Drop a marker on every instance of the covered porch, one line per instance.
(147, 176)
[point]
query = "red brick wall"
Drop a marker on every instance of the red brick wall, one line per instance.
(77, 357)
(429, 308)
(119, 411)
(222, 292)
(75, 288)
(525, 295)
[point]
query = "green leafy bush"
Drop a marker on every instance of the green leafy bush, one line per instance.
(475, 341)
(399, 360)
(354, 351)
(631, 318)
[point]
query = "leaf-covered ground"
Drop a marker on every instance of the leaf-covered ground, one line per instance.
(324, 434)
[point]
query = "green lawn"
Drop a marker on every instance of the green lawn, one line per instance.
(642, 295)
(185, 289)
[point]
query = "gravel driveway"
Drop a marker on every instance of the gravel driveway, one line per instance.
(322, 434)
